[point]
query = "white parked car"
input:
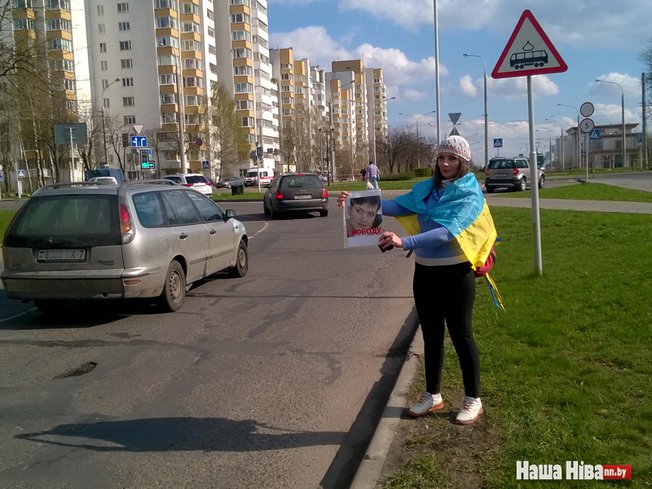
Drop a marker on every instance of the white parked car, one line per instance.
(195, 181)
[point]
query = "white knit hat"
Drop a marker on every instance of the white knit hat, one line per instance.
(456, 145)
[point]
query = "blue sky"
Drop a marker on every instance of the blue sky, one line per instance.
(597, 39)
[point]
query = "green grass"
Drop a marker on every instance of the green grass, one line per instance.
(567, 369)
(5, 218)
(586, 191)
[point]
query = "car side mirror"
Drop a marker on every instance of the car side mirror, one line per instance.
(229, 214)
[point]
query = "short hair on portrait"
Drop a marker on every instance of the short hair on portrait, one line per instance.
(373, 200)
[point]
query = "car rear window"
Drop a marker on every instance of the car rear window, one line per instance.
(301, 181)
(501, 164)
(196, 179)
(67, 221)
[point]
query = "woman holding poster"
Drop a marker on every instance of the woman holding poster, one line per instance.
(451, 233)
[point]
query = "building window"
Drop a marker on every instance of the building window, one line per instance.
(167, 79)
(126, 63)
(243, 88)
(100, 10)
(239, 18)
(123, 8)
(128, 102)
(23, 24)
(106, 103)
(125, 45)
(59, 25)
(102, 47)
(242, 104)
(164, 22)
(247, 122)
(58, 4)
(104, 66)
(168, 98)
(129, 120)
(173, 4)
(168, 118)
(124, 26)
(211, 32)
(128, 82)
(100, 28)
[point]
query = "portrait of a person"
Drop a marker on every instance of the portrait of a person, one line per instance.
(363, 214)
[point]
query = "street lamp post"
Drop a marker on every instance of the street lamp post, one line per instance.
(561, 145)
(579, 155)
(417, 119)
(373, 121)
(106, 156)
(486, 111)
(622, 114)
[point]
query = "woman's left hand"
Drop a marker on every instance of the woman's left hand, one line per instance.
(389, 239)
(342, 198)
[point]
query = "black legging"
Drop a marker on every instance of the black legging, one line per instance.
(445, 295)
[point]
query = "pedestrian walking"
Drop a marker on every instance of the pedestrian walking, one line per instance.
(373, 175)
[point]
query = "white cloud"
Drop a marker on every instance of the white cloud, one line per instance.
(312, 42)
(575, 23)
(414, 95)
(316, 44)
(467, 86)
(631, 85)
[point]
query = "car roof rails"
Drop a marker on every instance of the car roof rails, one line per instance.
(155, 181)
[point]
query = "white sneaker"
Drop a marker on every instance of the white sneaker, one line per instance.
(427, 403)
(470, 412)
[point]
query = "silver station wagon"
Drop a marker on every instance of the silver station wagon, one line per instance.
(81, 241)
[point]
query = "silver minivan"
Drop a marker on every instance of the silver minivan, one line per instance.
(137, 240)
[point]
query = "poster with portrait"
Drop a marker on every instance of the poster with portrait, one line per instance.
(363, 218)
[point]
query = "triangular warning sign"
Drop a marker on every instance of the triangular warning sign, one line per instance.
(454, 132)
(138, 128)
(528, 52)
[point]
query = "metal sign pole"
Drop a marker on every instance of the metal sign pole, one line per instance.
(534, 175)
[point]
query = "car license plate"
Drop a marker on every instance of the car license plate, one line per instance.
(303, 196)
(78, 254)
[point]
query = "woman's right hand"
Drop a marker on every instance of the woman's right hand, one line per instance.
(342, 198)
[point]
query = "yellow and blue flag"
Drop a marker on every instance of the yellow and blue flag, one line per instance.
(463, 211)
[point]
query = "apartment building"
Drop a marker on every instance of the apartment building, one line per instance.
(304, 114)
(377, 103)
(151, 68)
(245, 70)
(34, 102)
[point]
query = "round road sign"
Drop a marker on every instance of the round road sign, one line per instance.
(586, 109)
(586, 125)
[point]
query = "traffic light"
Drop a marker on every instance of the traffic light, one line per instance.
(144, 159)
(125, 139)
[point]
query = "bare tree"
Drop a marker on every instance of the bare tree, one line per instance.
(226, 136)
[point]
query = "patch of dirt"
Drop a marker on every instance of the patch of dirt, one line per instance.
(460, 450)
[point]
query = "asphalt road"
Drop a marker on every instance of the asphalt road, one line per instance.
(275, 380)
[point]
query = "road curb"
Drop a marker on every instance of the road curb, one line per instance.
(370, 468)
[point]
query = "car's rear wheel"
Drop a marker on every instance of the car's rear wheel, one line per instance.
(174, 289)
(266, 209)
(241, 262)
(522, 185)
(542, 181)
(490, 190)
(323, 212)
